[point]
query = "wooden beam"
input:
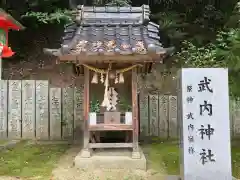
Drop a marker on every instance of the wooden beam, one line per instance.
(110, 145)
(83, 59)
(110, 127)
(135, 110)
(86, 108)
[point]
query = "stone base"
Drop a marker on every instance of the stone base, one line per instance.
(85, 153)
(111, 159)
(175, 177)
(136, 155)
(172, 177)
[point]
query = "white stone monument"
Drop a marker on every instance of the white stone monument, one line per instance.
(205, 133)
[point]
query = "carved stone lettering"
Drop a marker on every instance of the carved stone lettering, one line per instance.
(3, 109)
(78, 112)
(14, 110)
(163, 116)
(154, 115)
(28, 109)
(144, 128)
(67, 122)
(42, 110)
(55, 113)
(173, 125)
(236, 122)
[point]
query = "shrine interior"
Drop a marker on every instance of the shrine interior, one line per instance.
(121, 99)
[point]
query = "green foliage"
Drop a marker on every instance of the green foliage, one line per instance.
(233, 21)
(124, 104)
(224, 52)
(112, 3)
(41, 11)
(55, 17)
(194, 56)
(54, 14)
(206, 33)
(172, 24)
(211, 18)
(166, 3)
(95, 106)
(27, 161)
(118, 3)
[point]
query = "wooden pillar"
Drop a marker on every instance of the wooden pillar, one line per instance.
(86, 109)
(135, 121)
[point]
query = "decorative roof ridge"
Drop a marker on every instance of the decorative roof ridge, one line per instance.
(112, 25)
(144, 10)
(146, 13)
(114, 9)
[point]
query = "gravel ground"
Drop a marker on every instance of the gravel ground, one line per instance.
(66, 171)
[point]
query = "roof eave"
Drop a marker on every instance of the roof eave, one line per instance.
(92, 59)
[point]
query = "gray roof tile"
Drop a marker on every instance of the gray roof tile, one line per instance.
(124, 30)
(125, 39)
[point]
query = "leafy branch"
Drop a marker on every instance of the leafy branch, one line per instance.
(60, 15)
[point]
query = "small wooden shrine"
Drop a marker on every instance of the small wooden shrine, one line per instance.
(111, 45)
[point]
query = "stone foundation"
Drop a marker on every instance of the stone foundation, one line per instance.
(110, 159)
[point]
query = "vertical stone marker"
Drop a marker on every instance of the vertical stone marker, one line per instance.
(67, 113)
(42, 128)
(3, 109)
(28, 109)
(14, 110)
(205, 132)
(55, 113)
(78, 112)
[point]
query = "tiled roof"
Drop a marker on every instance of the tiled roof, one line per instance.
(110, 30)
(123, 39)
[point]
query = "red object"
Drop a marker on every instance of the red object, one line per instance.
(6, 52)
(8, 22)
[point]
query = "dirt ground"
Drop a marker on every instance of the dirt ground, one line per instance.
(66, 171)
